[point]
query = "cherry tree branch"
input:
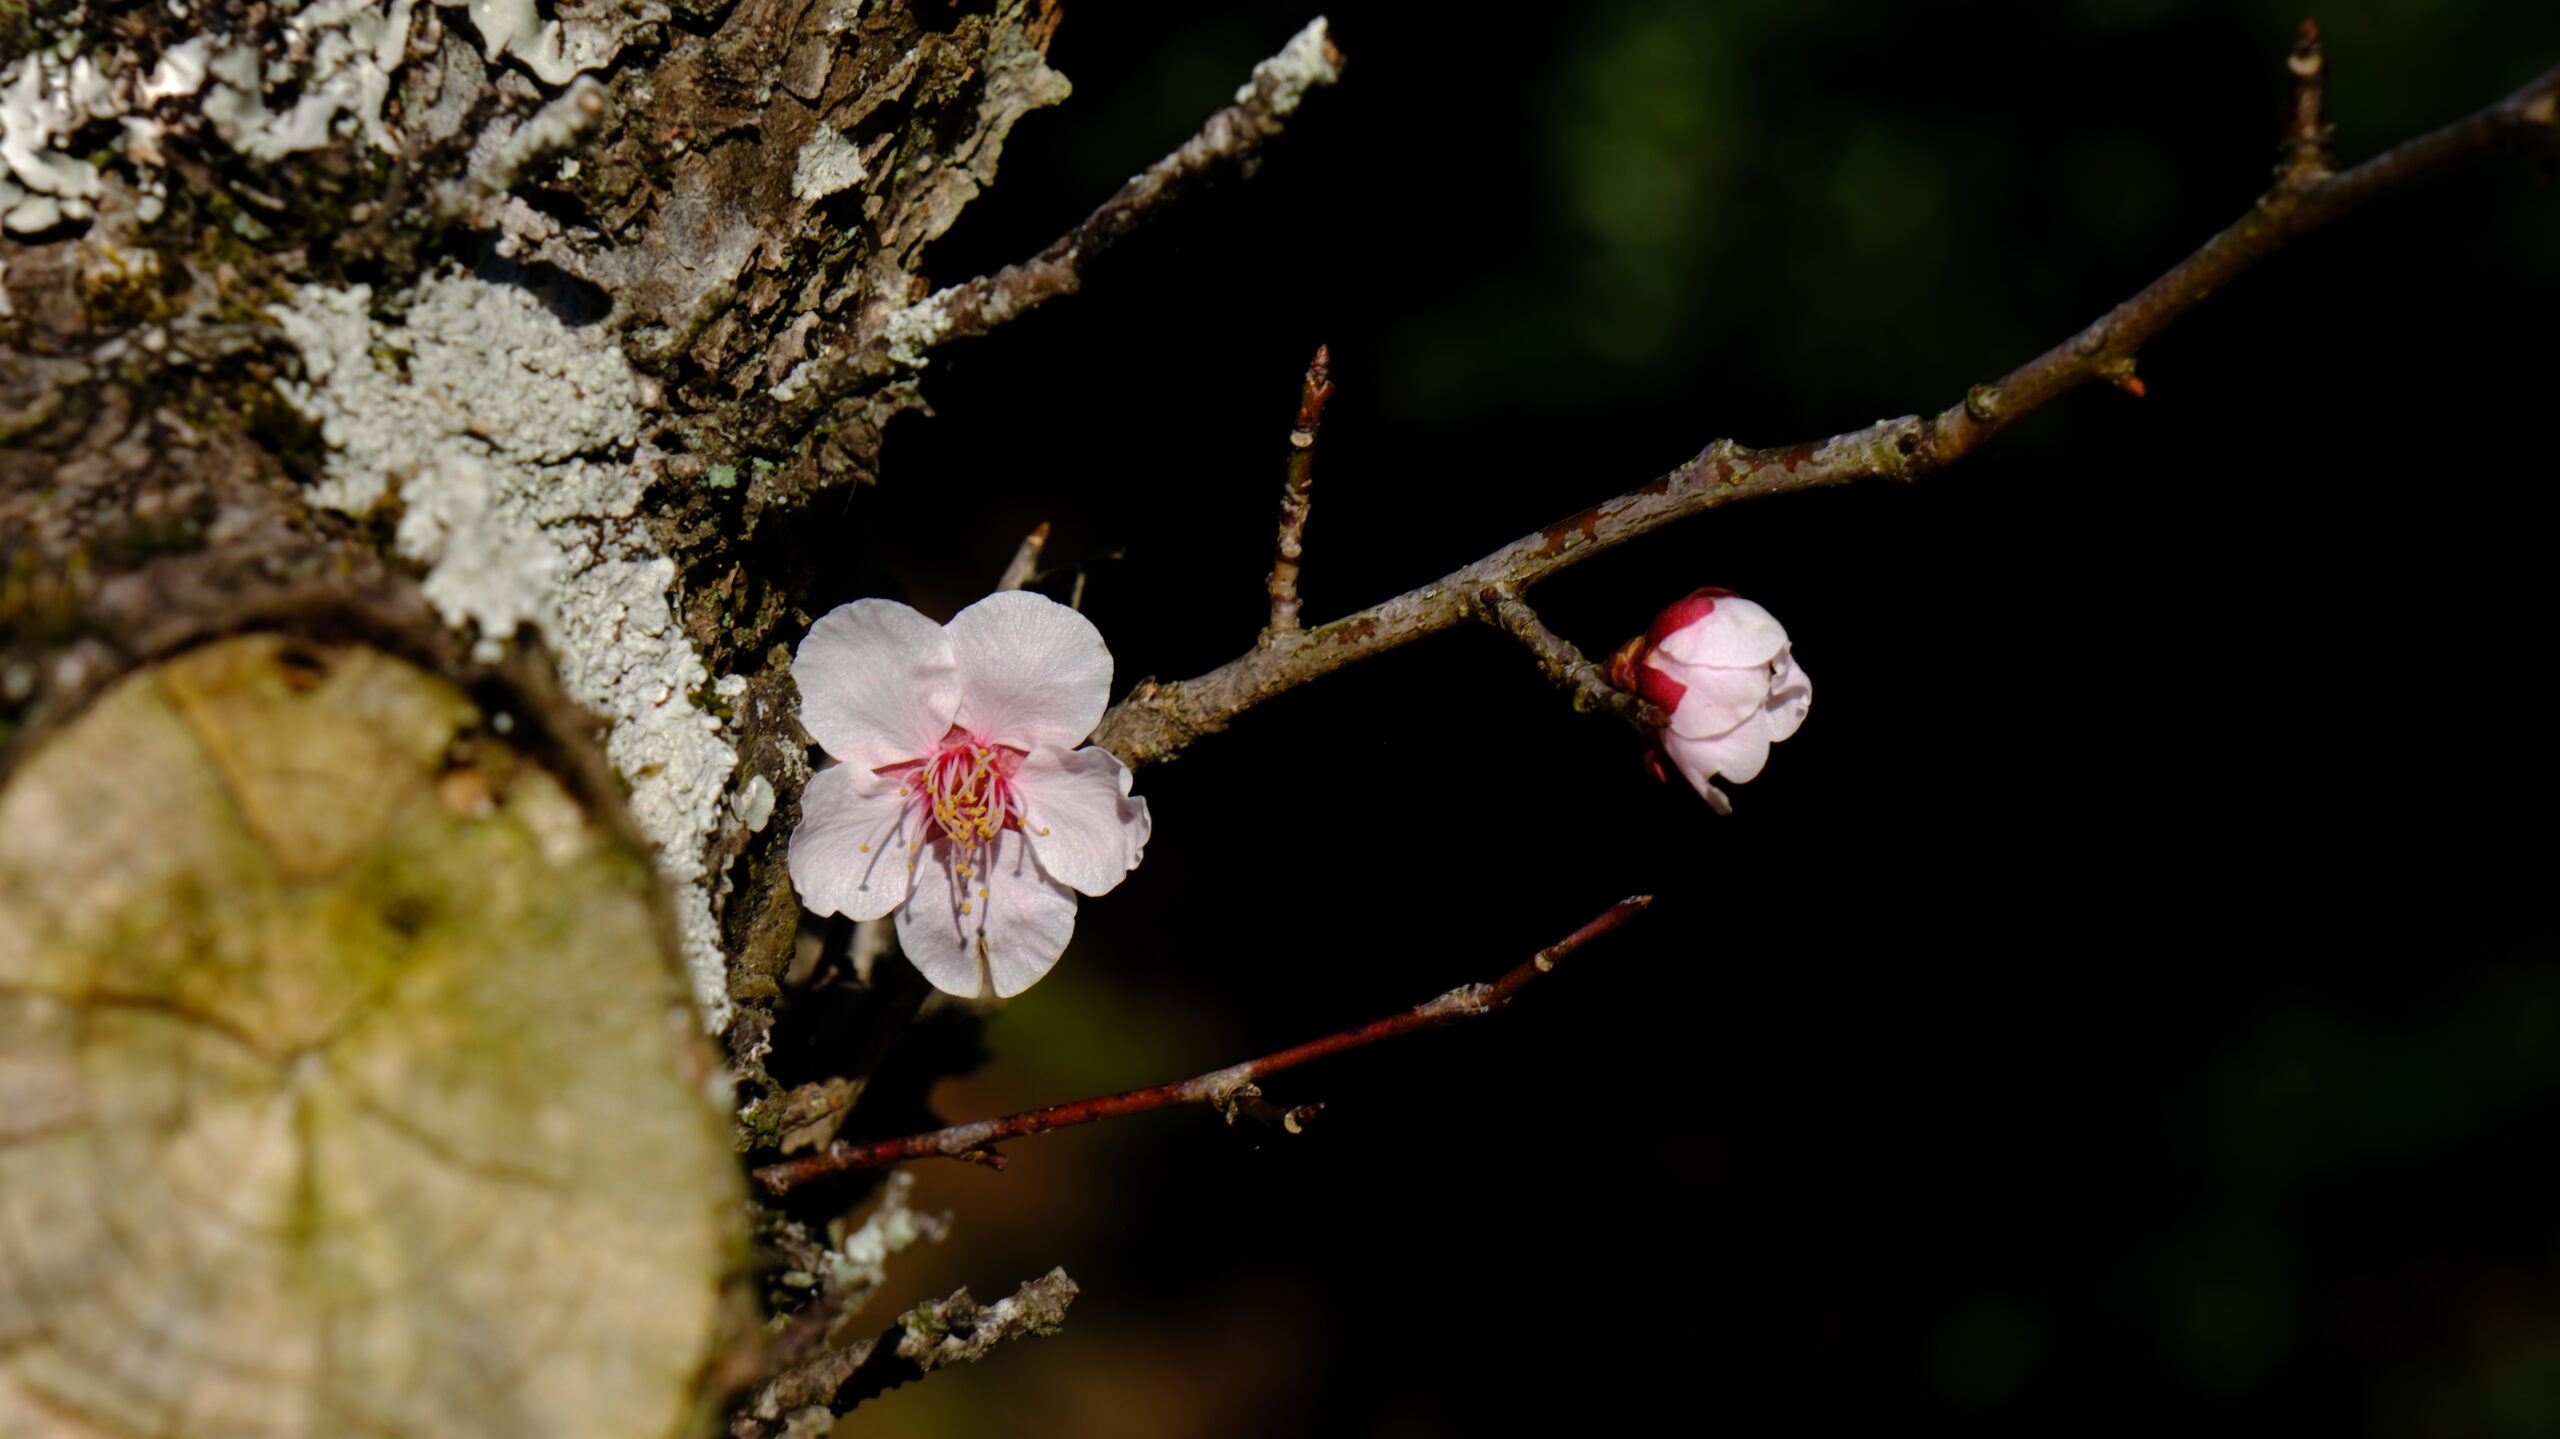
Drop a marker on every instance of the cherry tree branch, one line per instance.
(2306, 137)
(1229, 140)
(1295, 496)
(1024, 567)
(1227, 1089)
(1560, 662)
(814, 1391)
(1157, 721)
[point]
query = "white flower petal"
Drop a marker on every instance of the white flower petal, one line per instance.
(847, 855)
(939, 940)
(1014, 914)
(1790, 696)
(878, 683)
(1079, 818)
(1032, 671)
(1030, 918)
(1714, 698)
(1738, 634)
(1738, 754)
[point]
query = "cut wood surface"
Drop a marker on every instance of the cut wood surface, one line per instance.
(347, 1082)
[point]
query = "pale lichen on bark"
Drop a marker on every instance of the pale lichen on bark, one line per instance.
(746, 195)
(510, 448)
(438, 324)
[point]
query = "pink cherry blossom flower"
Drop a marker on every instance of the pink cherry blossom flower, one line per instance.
(960, 802)
(1723, 668)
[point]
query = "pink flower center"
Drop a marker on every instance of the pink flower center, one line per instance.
(965, 788)
(963, 792)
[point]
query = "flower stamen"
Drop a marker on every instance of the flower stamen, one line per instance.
(963, 794)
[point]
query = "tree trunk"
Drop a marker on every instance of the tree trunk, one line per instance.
(470, 360)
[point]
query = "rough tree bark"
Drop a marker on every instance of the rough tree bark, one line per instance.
(479, 361)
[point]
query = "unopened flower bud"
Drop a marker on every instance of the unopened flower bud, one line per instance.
(1722, 669)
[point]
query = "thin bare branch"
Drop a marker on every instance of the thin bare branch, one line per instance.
(1295, 495)
(1565, 665)
(811, 1396)
(2306, 140)
(1157, 721)
(797, 1364)
(1229, 140)
(1223, 1089)
(1026, 560)
(1292, 1118)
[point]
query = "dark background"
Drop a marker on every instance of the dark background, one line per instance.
(2131, 1000)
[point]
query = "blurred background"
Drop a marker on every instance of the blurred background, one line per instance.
(2131, 1001)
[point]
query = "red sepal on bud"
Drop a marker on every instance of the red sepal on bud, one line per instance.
(1627, 668)
(1684, 612)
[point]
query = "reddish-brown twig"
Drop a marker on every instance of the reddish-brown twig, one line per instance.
(1157, 721)
(1222, 1088)
(1295, 495)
